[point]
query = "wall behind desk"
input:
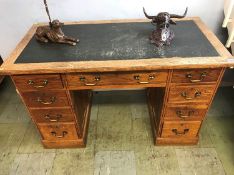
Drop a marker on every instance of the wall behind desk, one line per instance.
(17, 16)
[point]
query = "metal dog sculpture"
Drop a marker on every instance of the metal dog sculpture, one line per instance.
(163, 35)
(53, 32)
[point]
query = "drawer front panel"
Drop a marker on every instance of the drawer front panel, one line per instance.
(180, 129)
(45, 99)
(185, 112)
(37, 82)
(186, 94)
(195, 75)
(104, 79)
(52, 115)
(58, 131)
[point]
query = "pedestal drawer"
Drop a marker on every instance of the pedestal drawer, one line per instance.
(180, 129)
(185, 112)
(58, 131)
(37, 82)
(52, 115)
(89, 80)
(195, 75)
(185, 94)
(45, 99)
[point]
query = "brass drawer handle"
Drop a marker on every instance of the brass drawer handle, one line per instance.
(143, 82)
(44, 84)
(97, 78)
(180, 114)
(180, 133)
(52, 100)
(90, 84)
(190, 76)
(64, 133)
(53, 119)
(137, 77)
(185, 95)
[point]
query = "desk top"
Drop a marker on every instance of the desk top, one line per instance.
(119, 45)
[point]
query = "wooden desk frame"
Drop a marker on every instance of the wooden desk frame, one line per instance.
(163, 100)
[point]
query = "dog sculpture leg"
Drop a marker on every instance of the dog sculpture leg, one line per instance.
(71, 39)
(42, 39)
(63, 41)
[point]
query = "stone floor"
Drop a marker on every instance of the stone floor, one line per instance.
(119, 140)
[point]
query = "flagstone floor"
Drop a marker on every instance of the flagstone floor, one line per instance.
(119, 140)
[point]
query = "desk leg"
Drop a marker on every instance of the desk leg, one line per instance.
(1, 76)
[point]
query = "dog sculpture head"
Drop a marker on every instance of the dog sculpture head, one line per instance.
(55, 24)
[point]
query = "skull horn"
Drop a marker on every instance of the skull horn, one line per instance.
(179, 16)
(147, 16)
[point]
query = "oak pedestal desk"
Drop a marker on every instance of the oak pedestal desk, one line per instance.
(56, 81)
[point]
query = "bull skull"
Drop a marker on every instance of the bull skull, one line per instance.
(164, 17)
(163, 35)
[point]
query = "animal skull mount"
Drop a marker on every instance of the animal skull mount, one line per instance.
(163, 35)
(53, 32)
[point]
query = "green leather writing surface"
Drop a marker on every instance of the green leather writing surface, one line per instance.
(119, 41)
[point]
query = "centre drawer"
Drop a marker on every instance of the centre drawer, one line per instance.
(186, 94)
(40, 99)
(180, 129)
(58, 131)
(52, 115)
(89, 80)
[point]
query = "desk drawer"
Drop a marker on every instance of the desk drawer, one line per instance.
(58, 131)
(45, 99)
(185, 94)
(195, 75)
(37, 82)
(180, 129)
(185, 112)
(88, 80)
(52, 115)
